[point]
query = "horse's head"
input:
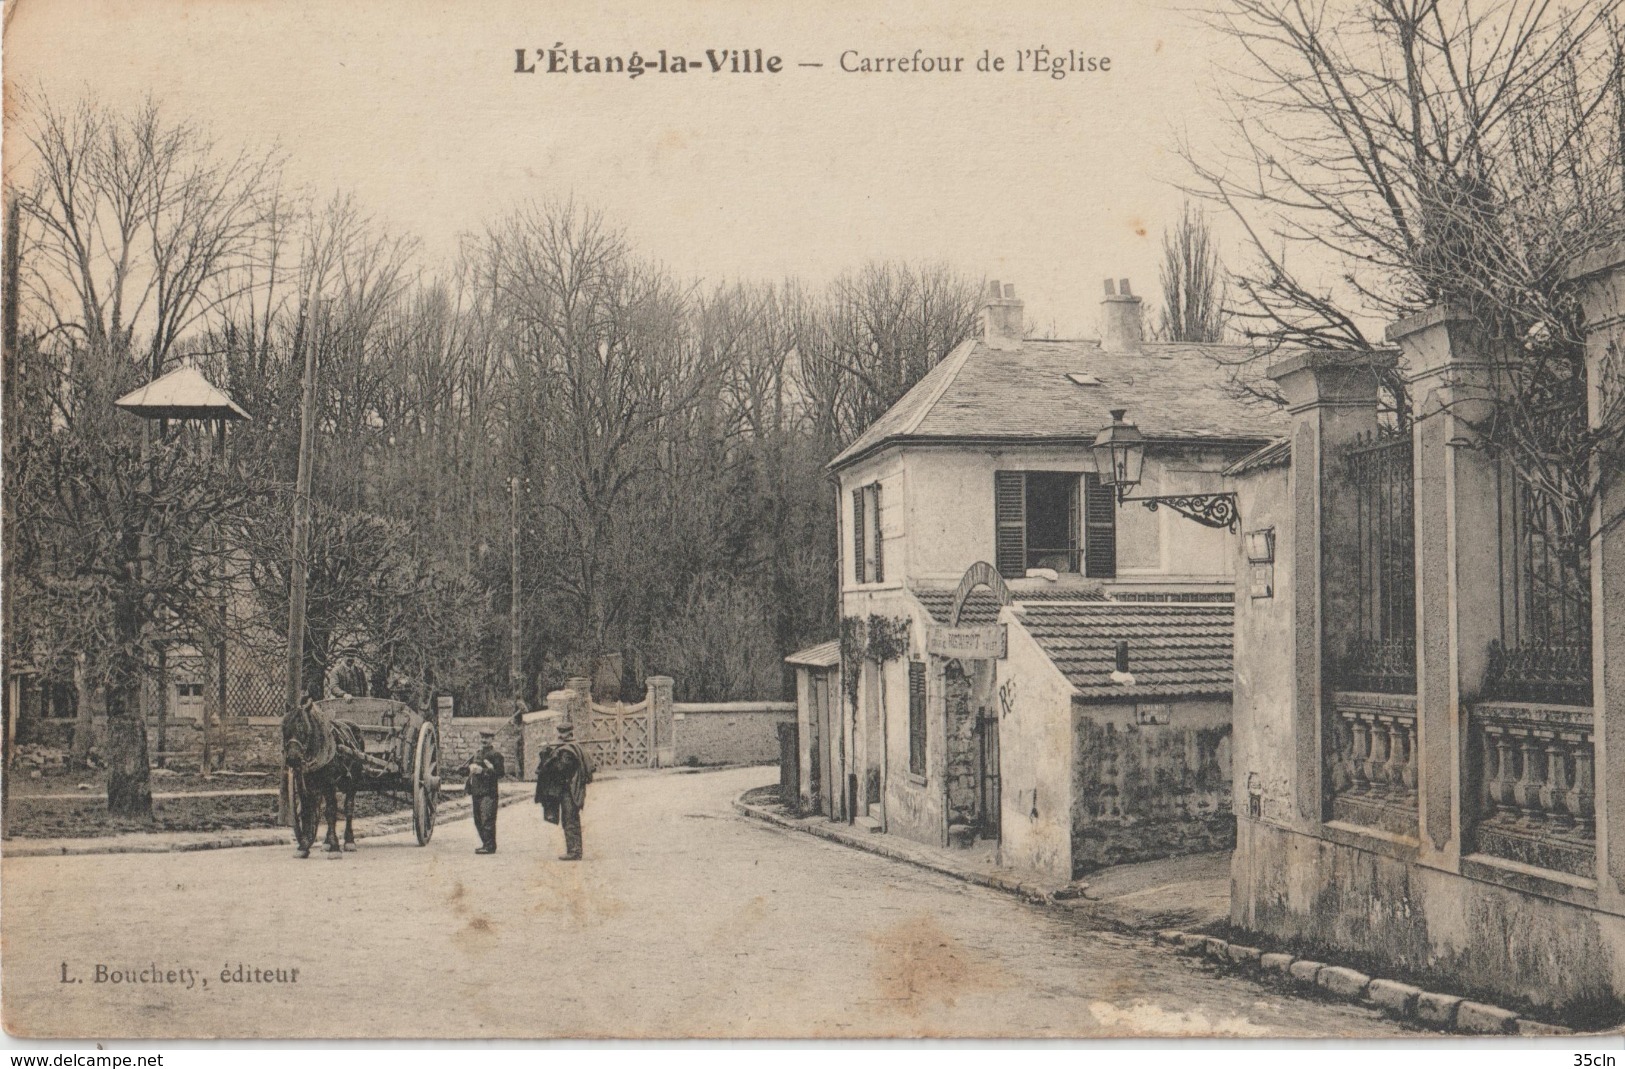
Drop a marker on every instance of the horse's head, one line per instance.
(298, 727)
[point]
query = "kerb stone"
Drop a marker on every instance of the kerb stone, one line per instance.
(1491, 1020)
(1391, 995)
(1436, 1009)
(1344, 983)
(1305, 971)
(1244, 955)
(1276, 962)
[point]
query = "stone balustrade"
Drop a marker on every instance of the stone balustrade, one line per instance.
(1537, 800)
(1373, 761)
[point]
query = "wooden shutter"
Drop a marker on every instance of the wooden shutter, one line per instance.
(1010, 523)
(1074, 525)
(916, 717)
(1100, 529)
(857, 536)
(880, 561)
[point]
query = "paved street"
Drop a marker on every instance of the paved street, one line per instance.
(685, 920)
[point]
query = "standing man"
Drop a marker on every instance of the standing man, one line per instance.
(485, 772)
(562, 775)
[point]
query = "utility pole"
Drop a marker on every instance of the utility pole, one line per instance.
(8, 378)
(516, 675)
(301, 508)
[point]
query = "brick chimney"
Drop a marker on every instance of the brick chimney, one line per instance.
(1121, 328)
(1003, 321)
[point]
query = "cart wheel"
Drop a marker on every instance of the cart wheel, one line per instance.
(425, 783)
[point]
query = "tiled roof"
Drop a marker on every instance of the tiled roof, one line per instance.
(1174, 651)
(1172, 390)
(823, 655)
(983, 608)
(1278, 454)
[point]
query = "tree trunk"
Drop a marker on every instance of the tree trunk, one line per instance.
(79, 749)
(129, 786)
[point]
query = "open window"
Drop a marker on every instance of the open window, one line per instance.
(1064, 521)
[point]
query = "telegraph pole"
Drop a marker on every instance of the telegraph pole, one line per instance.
(516, 676)
(301, 508)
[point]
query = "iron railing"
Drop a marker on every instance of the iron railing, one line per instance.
(1382, 655)
(1544, 652)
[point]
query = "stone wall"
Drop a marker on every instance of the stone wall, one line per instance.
(1036, 781)
(1150, 791)
(1467, 936)
(728, 733)
(460, 741)
(239, 743)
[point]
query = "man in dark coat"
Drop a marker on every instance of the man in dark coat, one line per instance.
(562, 775)
(485, 771)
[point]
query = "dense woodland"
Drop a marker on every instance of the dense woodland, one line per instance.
(640, 456)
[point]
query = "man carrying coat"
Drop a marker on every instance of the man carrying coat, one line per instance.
(562, 775)
(485, 771)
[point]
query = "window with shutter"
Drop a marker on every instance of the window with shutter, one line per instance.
(857, 536)
(916, 717)
(1010, 523)
(1100, 529)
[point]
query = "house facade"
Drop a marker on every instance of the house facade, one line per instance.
(1424, 705)
(989, 580)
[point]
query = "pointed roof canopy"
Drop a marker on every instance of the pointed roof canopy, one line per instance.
(182, 394)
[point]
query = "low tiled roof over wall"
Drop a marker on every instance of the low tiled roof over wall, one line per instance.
(1174, 651)
(983, 608)
(823, 655)
(1278, 454)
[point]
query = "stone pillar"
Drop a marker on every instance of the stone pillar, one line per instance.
(1458, 554)
(658, 693)
(1333, 400)
(1601, 280)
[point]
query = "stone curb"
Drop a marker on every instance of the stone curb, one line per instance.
(186, 842)
(1429, 1008)
(875, 844)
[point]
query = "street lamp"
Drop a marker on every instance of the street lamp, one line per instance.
(1119, 457)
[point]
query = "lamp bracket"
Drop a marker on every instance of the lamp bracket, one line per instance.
(1209, 510)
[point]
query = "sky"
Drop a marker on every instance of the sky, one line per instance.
(415, 106)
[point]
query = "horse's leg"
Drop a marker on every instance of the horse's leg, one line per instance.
(332, 818)
(349, 814)
(305, 827)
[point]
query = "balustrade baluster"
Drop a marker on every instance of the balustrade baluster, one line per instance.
(1491, 786)
(1394, 773)
(1407, 769)
(1528, 785)
(1362, 756)
(1554, 795)
(1582, 799)
(1506, 783)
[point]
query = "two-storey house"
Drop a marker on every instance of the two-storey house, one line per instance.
(1027, 664)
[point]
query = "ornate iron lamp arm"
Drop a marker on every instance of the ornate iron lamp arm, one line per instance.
(1209, 510)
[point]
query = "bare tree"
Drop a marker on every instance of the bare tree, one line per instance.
(1193, 281)
(1391, 155)
(136, 226)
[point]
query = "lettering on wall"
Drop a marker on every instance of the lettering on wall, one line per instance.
(1007, 698)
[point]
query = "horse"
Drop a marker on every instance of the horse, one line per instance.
(325, 756)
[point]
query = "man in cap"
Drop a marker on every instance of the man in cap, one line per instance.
(485, 771)
(562, 775)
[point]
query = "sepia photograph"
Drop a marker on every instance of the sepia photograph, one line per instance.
(843, 521)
